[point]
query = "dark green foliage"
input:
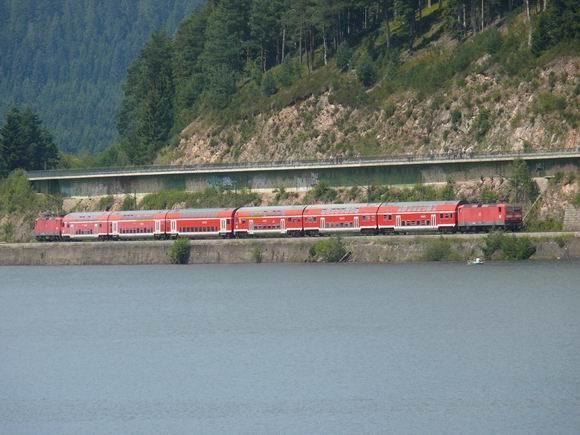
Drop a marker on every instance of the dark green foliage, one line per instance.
(548, 102)
(321, 192)
(366, 72)
(343, 56)
(558, 23)
(129, 203)
(15, 193)
(180, 251)
(25, 143)
(147, 112)
(268, 86)
(348, 94)
(67, 59)
(535, 224)
(456, 117)
(438, 250)
(523, 186)
(510, 247)
(17, 196)
(420, 192)
(330, 250)
(105, 203)
(488, 196)
(482, 124)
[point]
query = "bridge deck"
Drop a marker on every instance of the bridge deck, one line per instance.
(336, 163)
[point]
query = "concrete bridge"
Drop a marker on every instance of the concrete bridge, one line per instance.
(300, 175)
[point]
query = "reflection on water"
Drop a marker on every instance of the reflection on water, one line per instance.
(425, 348)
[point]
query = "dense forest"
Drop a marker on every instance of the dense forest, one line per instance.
(226, 45)
(67, 58)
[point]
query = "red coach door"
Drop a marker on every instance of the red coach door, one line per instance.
(157, 227)
(322, 223)
(282, 225)
(115, 230)
(434, 220)
(251, 226)
(223, 226)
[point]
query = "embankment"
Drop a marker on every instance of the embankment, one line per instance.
(371, 249)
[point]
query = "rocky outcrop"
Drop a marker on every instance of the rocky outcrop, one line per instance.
(486, 112)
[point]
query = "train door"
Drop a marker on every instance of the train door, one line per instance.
(282, 225)
(157, 227)
(356, 224)
(115, 230)
(251, 226)
(397, 221)
(322, 223)
(173, 226)
(223, 226)
(434, 220)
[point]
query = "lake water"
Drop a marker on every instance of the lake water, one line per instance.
(428, 348)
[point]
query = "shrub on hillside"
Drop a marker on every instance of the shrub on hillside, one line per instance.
(321, 192)
(510, 247)
(15, 193)
(180, 251)
(105, 203)
(268, 86)
(343, 56)
(366, 72)
(438, 250)
(330, 250)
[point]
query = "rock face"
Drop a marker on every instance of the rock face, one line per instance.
(486, 112)
(571, 219)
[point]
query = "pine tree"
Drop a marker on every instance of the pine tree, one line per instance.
(147, 112)
(25, 144)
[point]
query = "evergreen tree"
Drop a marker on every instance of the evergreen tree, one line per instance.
(25, 144)
(147, 113)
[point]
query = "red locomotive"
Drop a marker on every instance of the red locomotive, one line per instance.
(299, 220)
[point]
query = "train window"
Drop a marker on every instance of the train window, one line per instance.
(499, 208)
(227, 221)
(364, 218)
(243, 221)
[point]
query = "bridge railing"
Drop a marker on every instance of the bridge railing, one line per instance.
(298, 164)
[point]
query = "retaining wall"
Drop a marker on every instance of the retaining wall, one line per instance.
(364, 249)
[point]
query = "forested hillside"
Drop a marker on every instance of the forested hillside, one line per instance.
(262, 79)
(67, 59)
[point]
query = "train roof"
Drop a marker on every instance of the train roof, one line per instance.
(138, 214)
(87, 215)
(341, 208)
(200, 213)
(272, 210)
(421, 205)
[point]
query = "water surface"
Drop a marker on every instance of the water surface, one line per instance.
(429, 348)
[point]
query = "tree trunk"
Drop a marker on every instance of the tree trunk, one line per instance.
(283, 42)
(529, 23)
(324, 45)
(300, 42)
(388, 28)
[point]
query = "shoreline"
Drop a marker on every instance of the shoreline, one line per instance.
(363, 250)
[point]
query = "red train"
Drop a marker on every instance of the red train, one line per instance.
(297, 220)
